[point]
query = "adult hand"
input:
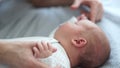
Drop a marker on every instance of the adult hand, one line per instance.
(19, 54)
(96, 9)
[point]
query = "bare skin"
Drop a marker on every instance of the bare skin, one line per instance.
(43, 50)
(19, 54)
(24, 57)
(81, 40)
(96, 8)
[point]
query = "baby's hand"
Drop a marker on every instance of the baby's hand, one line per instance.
(43, 50)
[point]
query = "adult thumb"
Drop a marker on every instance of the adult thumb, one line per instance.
(76, 4)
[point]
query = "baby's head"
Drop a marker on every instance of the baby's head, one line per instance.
(84, 40)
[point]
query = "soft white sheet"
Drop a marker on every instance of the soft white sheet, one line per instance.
(20, 19)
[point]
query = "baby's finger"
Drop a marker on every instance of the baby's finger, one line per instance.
(40, 46)
(51, 48)
(45, 46)
(36, 52)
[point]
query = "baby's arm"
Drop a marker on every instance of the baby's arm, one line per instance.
(43, 50)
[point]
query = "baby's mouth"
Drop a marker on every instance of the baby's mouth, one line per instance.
(81, 17)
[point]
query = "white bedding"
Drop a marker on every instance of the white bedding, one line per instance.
(20, 19)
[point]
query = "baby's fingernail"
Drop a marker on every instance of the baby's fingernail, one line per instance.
(54, 50)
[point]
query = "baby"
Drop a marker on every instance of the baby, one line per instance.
(81, 43)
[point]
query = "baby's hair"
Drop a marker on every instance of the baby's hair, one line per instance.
(96, 39)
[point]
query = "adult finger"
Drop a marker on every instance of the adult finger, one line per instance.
(76, 4)
(93, 12)
(100, 13)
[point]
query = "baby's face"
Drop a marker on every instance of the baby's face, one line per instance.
(71, 29)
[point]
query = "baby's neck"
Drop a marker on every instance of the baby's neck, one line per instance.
(71, 52)
(69, 48)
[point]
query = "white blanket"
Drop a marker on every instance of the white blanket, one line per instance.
(20, 19)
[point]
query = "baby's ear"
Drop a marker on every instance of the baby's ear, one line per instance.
(79, 42)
